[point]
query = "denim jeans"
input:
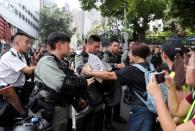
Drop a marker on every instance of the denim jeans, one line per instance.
(141, 119)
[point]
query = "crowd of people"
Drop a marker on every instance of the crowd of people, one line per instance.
(41, 88)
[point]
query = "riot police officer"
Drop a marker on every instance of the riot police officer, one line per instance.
(56, 85)
(93, 120)
(113, 58)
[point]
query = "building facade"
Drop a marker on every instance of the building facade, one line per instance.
(78, 22)
(46, 3)
(21, 15)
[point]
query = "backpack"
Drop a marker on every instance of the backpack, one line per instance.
(149, 102)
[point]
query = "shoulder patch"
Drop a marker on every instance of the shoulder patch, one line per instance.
(47, 58)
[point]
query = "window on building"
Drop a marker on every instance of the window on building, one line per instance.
(37, 28)
(16, 11)
(33, 17)
(23, 17)
(20, 15)
(11, 7)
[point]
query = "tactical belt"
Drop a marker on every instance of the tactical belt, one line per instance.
(58, 97)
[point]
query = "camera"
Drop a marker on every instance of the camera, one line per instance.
(160, 77)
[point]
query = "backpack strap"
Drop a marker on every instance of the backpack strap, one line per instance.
(146, 73)
(140, 97)
(145, 70)
(152, 67)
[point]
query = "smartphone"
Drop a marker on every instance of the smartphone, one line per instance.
(160, 77)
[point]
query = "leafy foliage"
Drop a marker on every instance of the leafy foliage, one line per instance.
(185, 11)
(139, 12)
(54, 19)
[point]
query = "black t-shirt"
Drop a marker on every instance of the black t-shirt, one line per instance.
(135, 80)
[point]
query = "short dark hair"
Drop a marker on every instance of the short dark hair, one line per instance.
(21, 33)
(141, 50)
(130, 40)
(55, 37)
(113, 40)
(93, 38)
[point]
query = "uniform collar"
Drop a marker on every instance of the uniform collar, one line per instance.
(18, 54)
(14, 51)
(114, 54)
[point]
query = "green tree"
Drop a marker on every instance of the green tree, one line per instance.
(141, 12)
(138, 12)
(54, 19)
(185, 11)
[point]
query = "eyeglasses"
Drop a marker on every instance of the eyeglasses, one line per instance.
(193, 68)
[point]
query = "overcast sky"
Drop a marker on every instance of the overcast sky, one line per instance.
(74, 4)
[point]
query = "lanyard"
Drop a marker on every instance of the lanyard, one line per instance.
(191, 112)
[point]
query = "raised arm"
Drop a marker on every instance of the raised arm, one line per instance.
(165, 118)
(99, 74)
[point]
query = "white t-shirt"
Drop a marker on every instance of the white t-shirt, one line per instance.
(11, 64)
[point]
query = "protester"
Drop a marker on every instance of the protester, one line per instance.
(180, 109)
(173, 57)
(56, 84)
(113, 58)
(92, 121)
(140, 118)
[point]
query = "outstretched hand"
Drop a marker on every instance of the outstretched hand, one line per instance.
(120, 65)
(87, 70)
